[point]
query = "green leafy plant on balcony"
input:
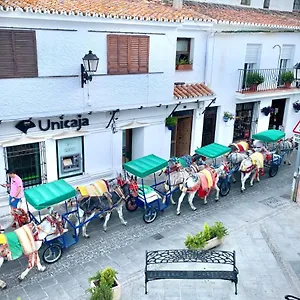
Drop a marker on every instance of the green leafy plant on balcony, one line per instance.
(287, 77)
(254, 78)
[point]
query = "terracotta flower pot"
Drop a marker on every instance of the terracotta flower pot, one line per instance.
(213, 243)
(287, 85)
(253, 87)
(184, 67)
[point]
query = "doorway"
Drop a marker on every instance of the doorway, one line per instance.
(209, 125)
(243, 121)
(127, 146)
(276, 118)
(181, 135)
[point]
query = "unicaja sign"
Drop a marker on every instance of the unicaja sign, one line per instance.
(45, 125)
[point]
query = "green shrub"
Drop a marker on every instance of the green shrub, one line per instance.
(103, 292)
(254, 77)
(200, 239)
(184, 61)
(287, 77)
(171, 121)
(108, 277)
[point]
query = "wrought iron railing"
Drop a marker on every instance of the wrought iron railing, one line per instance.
(271, 79)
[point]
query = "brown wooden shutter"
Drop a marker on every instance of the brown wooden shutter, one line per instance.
(112, 54)
(144, 54)
(133, 54)
(25, 53)
(123, 54)
(7, 65)
(18, 54)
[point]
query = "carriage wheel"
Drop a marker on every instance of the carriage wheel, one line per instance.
(273, 170)
(131, 205)
(52, 254)
(150, 215)
(224, 188)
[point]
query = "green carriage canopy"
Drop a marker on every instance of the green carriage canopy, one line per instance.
(145, 166)
(213, 150)
(48, 194)
(269, 136)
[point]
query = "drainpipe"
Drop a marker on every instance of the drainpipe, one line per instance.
(177, 4)
(278, 67)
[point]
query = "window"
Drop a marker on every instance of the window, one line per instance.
(70, 157)
(251, 60)
(266, 3)
(296, 4)
(127, 54)
(183, 50)
(245, 2)
(18, 54)
(286, 57)
(29, 162)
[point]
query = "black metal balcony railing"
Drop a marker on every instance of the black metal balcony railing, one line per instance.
(272, 79)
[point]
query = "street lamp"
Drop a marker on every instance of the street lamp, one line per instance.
(297, 77)
(90, 65)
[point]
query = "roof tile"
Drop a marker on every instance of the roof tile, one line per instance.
(195, 90)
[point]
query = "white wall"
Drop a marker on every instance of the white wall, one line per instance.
(227, 55)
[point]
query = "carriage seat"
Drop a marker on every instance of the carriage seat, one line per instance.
(150, 194)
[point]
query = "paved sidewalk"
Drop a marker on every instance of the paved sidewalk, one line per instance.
(263, 232)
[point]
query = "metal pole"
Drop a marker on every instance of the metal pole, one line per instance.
(296, 175)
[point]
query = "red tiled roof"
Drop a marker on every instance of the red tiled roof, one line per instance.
(159, 10)
(195, 90)
(153, 10)
(246, 15)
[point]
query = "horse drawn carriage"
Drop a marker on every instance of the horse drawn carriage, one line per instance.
(274, 149)
(152, 198)
(214, 151)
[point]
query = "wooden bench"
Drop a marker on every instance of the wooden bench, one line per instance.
(190, 256)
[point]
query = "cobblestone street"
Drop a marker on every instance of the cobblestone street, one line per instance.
(263, 231)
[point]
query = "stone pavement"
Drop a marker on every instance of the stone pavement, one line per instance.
(263, 231)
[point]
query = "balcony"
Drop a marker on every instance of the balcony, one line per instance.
(258, 80)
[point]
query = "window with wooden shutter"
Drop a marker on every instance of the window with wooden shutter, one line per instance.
(127, 54)
(18, 57)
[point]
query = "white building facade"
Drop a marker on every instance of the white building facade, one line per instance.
(51, 127)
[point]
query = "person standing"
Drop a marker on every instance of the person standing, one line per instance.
(16, 189)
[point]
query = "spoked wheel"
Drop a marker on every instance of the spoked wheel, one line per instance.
(150, 215)
(131, 205)
(224, 188)
(52, 254)
(273, 170)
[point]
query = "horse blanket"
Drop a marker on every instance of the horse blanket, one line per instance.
(240, 146)
(257, 159)
(20, 242)
(208, 180)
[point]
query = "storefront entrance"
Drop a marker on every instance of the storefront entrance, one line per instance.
(243, 121)
(181, 135)
(209, 126)
(276, 119)
(29, 162)
(127, 146)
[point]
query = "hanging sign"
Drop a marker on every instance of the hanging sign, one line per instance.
(25, 125)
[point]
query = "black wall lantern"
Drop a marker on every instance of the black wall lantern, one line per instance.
(90, 65)
(297, 77)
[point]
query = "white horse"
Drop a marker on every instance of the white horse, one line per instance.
(286, 146)
(251, 165)
(234, 159)
(28, 240)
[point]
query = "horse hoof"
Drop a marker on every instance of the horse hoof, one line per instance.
(125, 223)
(87, 236)
(289, 163)
(284, 162)
(216, 200)
(194, 209)
(20, 278)
(178, 213)
(174, 203)
(242, 191)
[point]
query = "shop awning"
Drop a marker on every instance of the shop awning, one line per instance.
(69, 134)
(145, 166)
(213, 150)
(269, 136)
(134, 124)
(48, 194)
(22, 140)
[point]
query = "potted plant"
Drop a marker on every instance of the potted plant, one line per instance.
(253, 79)
(287, 78)
(209, 238)
(227, 116)
(105, 286)
(184, 65)
(171, 122)
(267, 110)
(296, 106)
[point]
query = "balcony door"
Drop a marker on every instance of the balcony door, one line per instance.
(209, 126)
(276, 118)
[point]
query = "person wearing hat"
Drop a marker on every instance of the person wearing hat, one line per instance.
(16, 189)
